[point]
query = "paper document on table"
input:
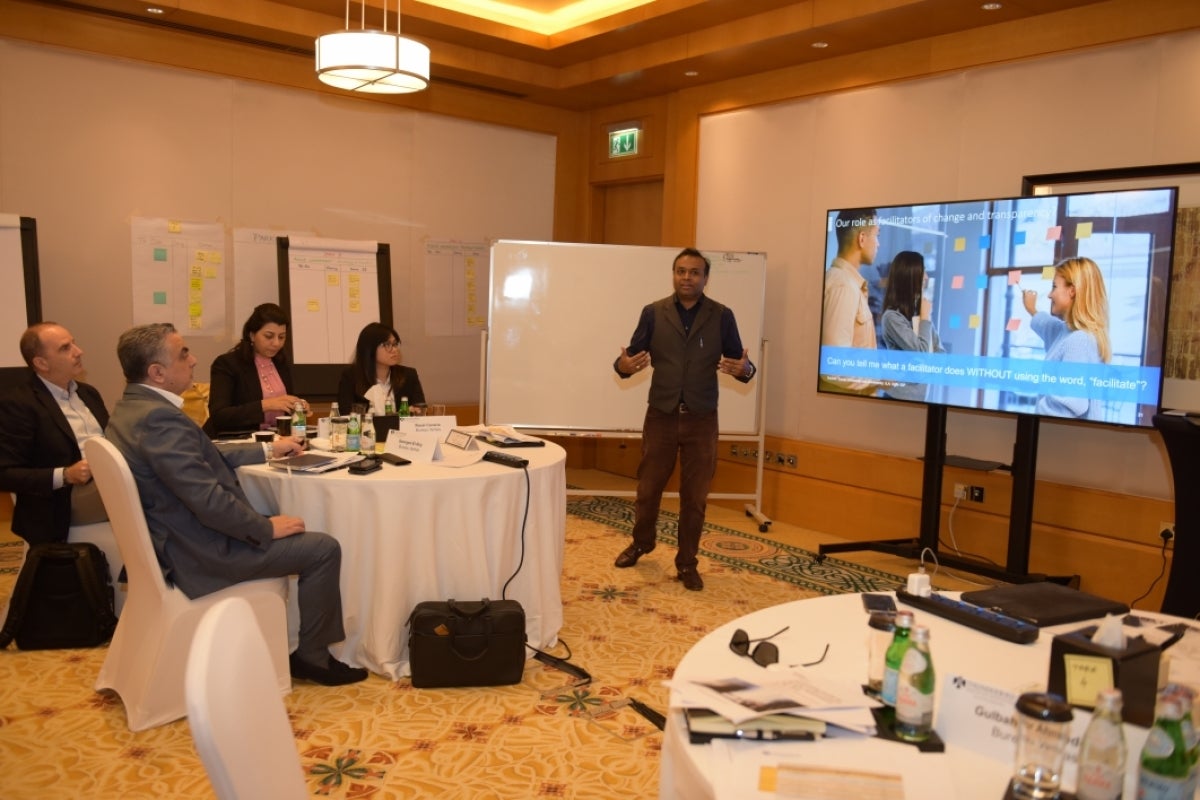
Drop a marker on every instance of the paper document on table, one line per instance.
(838, 702)
(505, 436)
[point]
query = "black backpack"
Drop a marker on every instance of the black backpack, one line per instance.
(63, 598)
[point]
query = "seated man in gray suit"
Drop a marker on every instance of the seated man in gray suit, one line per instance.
(206, 534)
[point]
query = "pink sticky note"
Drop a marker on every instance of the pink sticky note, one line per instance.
(1053, 234)
(956, 282)
(1014, 277)
(1013, 324)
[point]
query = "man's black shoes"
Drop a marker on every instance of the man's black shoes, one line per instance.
(334, 673)
(691, 579)
(630, 555)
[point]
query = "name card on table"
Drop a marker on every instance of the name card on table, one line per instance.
(439, 425)
(427, 447)
(979, 717)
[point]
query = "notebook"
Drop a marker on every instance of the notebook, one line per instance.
(1044, 603)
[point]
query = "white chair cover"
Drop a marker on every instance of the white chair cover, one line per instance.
(239, 725)
(148, 654)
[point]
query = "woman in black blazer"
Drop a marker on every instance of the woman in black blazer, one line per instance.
(376, 375)
(252, 382)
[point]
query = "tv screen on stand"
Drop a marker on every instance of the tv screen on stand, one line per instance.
(1051, 305)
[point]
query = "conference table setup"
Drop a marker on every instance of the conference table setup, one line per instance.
(430, 531)
(978, 679)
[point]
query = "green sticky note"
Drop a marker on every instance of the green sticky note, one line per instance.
(160, 254)
(160, 298)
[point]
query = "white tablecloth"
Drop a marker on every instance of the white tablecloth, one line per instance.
(427, 532)
(728, 768)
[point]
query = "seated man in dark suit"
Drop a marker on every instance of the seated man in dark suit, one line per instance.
(47, 418)
(206, 534)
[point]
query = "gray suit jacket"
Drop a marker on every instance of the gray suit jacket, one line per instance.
(206, 534)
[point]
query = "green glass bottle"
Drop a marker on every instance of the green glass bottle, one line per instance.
(1165, 766)
(914, 689)
(404, 406)
(895, 654)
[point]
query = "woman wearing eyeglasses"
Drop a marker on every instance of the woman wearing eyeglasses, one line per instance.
(376, 377)
(252, 382)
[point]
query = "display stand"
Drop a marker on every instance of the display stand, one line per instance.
(1181, 435)
(1024, 469)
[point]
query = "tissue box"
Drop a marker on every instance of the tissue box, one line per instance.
(1079, 668)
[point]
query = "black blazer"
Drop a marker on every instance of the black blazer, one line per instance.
(35, 439)
(410, 387)
(235, 394)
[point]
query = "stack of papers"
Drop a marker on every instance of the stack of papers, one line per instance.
(503, 436)
(835, 703)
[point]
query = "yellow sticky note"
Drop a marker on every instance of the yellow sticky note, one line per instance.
(195, 296)
(313, 305)
(1014, 277)
(956, 282)
(960, 244)
(174, 226)
(973, 321)
(332, 279)
(195, 271)
(194, 309)
(210, 273)
(469, 261)
(1083, 230)
(1048, 273)
(355, 307)
(1013, 324)
(196, 283)
(355, 278)
(213, 256)
(195, 323)
(355, 292)
(1086, 675)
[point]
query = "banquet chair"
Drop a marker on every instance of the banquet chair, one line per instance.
(148, 654)
(240, 727)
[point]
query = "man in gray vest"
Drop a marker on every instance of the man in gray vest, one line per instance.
(689, 338)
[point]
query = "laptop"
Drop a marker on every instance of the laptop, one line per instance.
(1044, 603)
(312, 462)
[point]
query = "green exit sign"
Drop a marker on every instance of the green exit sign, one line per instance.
(623, 143)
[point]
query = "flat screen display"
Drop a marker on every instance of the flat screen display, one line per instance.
(1052, 305)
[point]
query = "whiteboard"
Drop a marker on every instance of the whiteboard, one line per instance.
(21, 301)
(560, 313)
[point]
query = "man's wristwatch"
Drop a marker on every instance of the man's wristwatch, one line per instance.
(750, 370)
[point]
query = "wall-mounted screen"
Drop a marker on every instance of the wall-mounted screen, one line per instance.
(1052, 305)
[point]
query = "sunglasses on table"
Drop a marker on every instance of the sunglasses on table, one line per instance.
(765, 653)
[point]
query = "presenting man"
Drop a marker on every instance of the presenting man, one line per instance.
(689, 338)
(206, 534)
(46, 420)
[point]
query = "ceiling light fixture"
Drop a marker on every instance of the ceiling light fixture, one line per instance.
(991, 6)
(819, 45)
(372, 61)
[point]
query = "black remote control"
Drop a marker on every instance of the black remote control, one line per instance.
(516, 462)
(981, 619)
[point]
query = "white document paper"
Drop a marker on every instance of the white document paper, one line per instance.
(839, 703)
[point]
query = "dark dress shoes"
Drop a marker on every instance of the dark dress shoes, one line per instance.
(630, 555)
(691, 579)
(334, 673)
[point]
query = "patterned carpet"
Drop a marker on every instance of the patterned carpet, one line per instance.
(542, 738)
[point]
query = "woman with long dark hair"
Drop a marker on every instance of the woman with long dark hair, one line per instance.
(376, 375)
(906, 319)
(251, 384)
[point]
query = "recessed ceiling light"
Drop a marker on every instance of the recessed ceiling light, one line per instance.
(691, 73)
(154, 10)
(991, 6)
(820, 45)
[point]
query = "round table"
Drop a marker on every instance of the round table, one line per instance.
(423, 531)
(726, 768)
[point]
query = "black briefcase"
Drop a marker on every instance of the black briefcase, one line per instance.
(466, 643)
(63, 598)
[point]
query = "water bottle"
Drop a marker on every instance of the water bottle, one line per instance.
(1165, 766)
(353, 434)
(404, 406)
(895, 654)
(1102, 754)
(300, 423)
(367, 437)
(914, 689)
(389, 407)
